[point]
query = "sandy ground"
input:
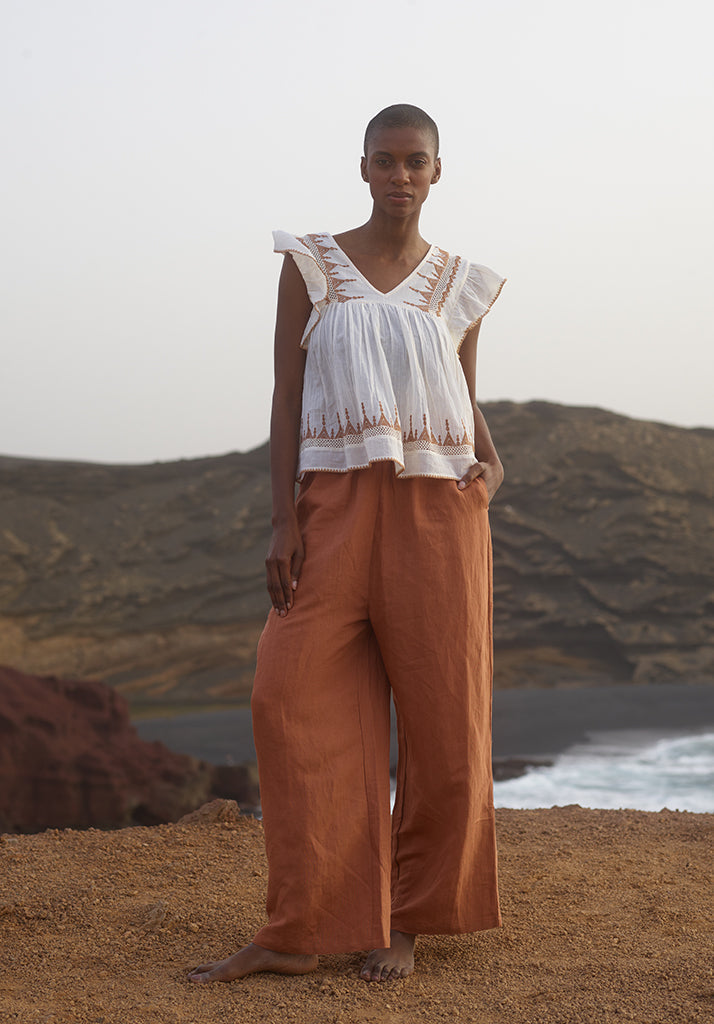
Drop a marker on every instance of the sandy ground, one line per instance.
(608, 916)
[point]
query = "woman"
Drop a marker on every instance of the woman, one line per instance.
(380, 580)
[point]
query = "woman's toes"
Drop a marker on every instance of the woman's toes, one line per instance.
(201, 969)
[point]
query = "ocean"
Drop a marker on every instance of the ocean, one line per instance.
(632, 769)
(642, 747)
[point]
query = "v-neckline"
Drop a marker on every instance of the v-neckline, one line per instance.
(391, 291)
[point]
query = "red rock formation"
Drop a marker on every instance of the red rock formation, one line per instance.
(69, 757)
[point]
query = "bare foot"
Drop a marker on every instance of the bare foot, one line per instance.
(251, 960)
(393, 963)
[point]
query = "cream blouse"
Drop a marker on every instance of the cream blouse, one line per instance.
(383, 378)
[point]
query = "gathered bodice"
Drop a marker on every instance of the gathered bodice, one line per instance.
(383, 378)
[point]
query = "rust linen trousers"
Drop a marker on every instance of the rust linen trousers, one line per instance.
(395, 592)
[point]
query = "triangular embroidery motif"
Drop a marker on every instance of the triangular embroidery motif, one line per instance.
(371, 425)
(437, 262)
(329, 266)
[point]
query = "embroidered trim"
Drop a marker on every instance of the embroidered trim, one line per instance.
(438, 264)
(349, 434)
(438, 284)
(329, 267)
(443, 288)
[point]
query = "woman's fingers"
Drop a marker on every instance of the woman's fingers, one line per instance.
(279, 585)
(470, 475)
(275, 586)
(490, 473)
(282, 579)
(286, 583)
(298, 559)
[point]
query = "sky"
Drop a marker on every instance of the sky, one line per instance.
(148, 148)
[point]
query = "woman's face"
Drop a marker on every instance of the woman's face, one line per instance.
(400, 166)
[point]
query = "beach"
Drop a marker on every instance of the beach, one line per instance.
(606, 746)
(533, 722)
(607, 916)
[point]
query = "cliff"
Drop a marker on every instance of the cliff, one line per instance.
(69, 756)
(151, 577)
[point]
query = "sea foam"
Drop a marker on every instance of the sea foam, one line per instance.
(621, 770)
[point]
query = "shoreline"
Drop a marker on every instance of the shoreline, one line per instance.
(530, 724)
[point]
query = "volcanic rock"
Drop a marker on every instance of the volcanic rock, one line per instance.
(151, 578)
(603, 553)
(69, 757)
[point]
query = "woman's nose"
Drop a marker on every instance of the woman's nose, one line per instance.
(400, 175)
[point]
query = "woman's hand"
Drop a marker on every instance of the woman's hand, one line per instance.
(284, 564)
(492, 473)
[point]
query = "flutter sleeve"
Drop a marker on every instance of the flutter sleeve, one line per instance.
(312, 275)
(479, 289)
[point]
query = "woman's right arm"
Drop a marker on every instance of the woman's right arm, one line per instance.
(286, 553)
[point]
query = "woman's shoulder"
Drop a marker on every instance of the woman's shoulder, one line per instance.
(467, 291)
(464, 263)
(460, 270)
(446, 274)
(285, 241)
(306, 252)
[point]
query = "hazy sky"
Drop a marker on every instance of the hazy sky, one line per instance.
(149, 146)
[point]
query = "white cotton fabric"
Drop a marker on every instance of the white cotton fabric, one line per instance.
(383, 378)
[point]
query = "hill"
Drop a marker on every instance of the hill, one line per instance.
(151, 577)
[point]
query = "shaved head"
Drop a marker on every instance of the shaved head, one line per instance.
(402, 115)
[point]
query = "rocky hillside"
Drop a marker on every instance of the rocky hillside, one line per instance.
(70, 758)
(151, 577)
(148, 577)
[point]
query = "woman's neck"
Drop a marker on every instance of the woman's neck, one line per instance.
(390, 237)
(385, 253)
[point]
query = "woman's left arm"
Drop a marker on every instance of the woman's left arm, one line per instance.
(489, 465)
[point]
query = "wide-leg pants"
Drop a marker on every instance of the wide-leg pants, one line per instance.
(395, 592)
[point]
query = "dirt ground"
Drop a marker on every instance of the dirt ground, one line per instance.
(608, 916)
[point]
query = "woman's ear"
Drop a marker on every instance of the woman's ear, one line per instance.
(363, 168)
(437, 171)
